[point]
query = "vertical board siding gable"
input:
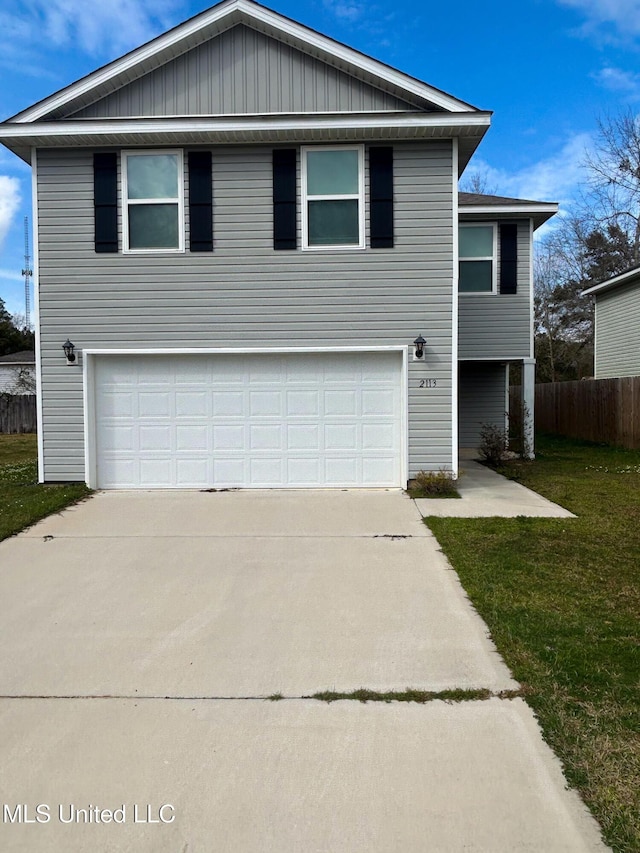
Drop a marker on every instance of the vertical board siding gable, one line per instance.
(200, 202)
(381, 197)
(284, 198)
(243, 71)
(105, 202)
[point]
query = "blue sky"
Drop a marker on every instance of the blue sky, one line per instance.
(547, 68)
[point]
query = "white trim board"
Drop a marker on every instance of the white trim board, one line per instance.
(36, 314)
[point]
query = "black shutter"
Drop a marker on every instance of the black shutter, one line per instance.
(200, 202)
(508, 259)
(284, 198)
(105, 202)
(381, 197)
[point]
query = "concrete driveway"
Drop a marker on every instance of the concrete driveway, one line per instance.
(143, 632)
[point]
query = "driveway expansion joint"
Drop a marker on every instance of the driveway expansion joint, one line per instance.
(451, 696)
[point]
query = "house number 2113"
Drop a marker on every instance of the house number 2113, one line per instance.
(428, 383)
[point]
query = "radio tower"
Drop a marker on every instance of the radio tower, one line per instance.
(27, 272)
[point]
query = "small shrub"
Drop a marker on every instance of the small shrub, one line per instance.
(493, 444)
(434, 484)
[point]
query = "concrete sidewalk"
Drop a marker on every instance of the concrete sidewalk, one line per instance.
(130, 620)
(484, 493)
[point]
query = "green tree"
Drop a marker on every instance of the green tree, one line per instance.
(13, 338)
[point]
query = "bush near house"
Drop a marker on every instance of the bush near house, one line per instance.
(562, 601)
(23, 501)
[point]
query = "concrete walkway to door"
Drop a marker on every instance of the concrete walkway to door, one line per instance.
(143, 633)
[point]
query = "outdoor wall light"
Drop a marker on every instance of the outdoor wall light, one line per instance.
(419, 345)
(68, 348)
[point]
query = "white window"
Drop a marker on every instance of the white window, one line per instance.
(477, 253)
(333, 197)
(152, 199)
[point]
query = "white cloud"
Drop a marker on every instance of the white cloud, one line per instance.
(623, 16)
(9, 203)
(99, 29)
(345, 10)
(627, 83)
(554, 178)
(10, 275)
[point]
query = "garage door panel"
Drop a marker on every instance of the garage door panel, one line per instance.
(378, 437)
(115, 404)
(154, 404)
(193, 472)
(341, 403)
(377, 402)
(303, 404)
(192, 404)
(227, 403)
(303, 437)
(231, 420)
(156, 473)
(192, 438)
(265, 437)
(265, 403)
(229, 437)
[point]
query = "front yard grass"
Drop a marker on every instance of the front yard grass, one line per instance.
(23, 501)
(561, 598)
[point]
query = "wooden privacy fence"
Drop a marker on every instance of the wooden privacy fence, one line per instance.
(602, 410)
(18, 413)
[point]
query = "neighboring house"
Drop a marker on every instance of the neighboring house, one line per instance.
(617, 325)
(18, 373)
(243, 227)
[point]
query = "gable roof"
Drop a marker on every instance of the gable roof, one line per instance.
(216, 20)
(504, 207)
(435, 114)
(631, 276)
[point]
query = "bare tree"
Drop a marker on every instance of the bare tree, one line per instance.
(478, 182)
(611, 201)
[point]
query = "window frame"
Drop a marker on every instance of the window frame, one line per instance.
(178, 200)
(305, 198)
(493, 258)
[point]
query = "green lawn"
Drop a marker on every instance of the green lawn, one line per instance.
(22, 500)
(562, 600)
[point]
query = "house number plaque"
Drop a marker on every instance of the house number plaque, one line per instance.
(428, 383)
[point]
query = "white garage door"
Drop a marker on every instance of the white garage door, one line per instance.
(261, 421)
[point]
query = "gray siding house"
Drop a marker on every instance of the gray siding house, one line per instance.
(247, 230)
(617, 325)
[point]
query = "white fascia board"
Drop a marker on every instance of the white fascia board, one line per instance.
(91, 352)
(544, 208)
(246, 12)
(231, 124)
(624, 278)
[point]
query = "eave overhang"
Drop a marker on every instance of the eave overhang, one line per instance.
(468, 128)
(632, 276)
(539, 212)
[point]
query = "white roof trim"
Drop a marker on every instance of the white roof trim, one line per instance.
(628, 277)
(489, 209)
(539, 212)
(243, 11)
(230, 124)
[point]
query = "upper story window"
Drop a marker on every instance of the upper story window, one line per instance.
(152, 197)
(333, 197)
(477, 252)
